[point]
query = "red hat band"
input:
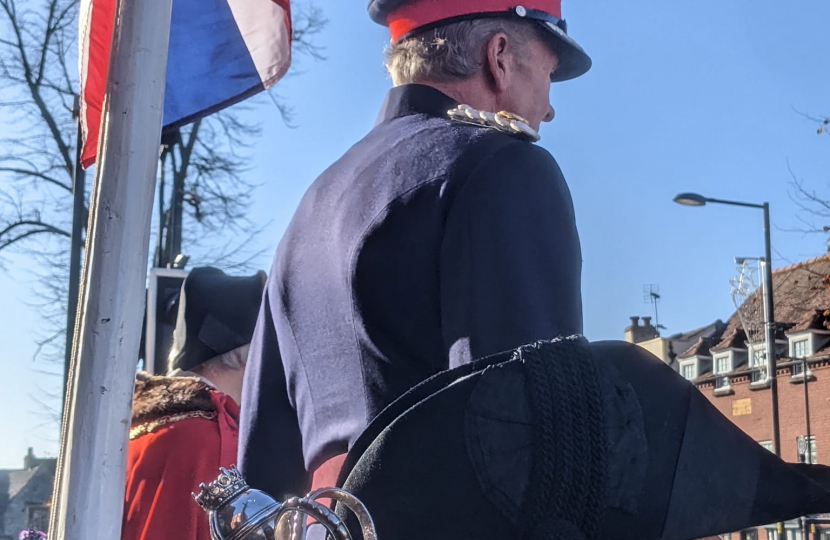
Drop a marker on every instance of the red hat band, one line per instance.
(414, 15)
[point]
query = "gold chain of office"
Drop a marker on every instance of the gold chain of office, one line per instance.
(504, 121)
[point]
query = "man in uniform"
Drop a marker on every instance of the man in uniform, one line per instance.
(445, 235)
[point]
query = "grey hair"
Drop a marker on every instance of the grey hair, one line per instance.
(233, 360)
(453, 51)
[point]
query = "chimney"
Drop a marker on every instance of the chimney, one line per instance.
(29, 462)
(649, 331)
(632, 332)
(637, 334)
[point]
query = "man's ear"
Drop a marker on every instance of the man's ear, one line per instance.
(498, 61)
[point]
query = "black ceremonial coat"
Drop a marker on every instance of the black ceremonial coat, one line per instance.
(428, 244)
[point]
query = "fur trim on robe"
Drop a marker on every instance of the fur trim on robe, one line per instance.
(182, 432)
(159, 401)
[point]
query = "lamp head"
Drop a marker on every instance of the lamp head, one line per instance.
(690, 199)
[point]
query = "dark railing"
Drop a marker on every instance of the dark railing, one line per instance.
(759, 374)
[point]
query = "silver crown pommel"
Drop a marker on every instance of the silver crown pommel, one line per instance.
(228, 485)
(237, 512)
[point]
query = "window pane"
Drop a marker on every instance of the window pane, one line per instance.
(758, 375)
(798, 368)
(813, 457)
(38, 517)
(758, 361)
(751, 534)
(758, 357)
(800, 350)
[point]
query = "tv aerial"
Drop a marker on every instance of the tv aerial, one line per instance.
(651, 295)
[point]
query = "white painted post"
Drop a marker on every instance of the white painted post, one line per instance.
(89, 492)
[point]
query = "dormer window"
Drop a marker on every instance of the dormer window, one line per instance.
(723, 365)
(689, 370)
(800, 347)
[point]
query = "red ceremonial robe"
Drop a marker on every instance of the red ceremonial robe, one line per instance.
(182, 432)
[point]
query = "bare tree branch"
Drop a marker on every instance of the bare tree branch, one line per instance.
(36, 174)
(813, 205)
(38, 86)
(9, 236)
(47, 341)
(33, 74)
(238, 257)
(825, 120)
(32, 223)
(308, 22)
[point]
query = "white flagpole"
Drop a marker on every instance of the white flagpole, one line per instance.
(89, 492)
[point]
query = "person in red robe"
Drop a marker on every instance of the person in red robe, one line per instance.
(185, 424)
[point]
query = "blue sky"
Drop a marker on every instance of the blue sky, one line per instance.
(684, 96)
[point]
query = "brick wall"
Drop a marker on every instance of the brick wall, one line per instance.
(750, 410)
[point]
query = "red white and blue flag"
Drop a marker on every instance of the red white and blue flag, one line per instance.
(221, 52)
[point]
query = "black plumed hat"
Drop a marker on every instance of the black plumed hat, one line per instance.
(217, 314)
(569, 440)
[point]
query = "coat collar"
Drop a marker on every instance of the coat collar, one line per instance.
(159, 401)
(409, 99)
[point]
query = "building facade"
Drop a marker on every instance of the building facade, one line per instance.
(730, 370)
(24, 496)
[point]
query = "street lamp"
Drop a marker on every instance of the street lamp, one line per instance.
(690, 199)
(694, 199)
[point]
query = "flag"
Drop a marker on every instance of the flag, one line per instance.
(221, 52)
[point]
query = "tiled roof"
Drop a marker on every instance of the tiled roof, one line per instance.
(12, 482)
(704, 331)
(17, 480)
(733, 337)
(700, 348)
(684, 341)
(816, 319)
(38, 475)
(799, 290)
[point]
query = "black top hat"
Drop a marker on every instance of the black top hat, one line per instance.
(570, 440)
(217, 314)
(405, 16)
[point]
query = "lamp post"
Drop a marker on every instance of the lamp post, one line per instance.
(808, 454)
(76, 246)
(693, 199)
